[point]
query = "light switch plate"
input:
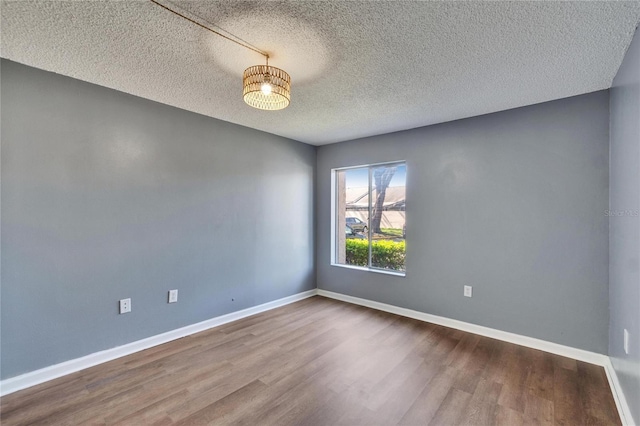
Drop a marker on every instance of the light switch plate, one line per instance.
(468, 291)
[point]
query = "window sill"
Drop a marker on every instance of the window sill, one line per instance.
(376, 270)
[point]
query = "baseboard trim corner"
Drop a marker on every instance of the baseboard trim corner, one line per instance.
(618, 395)
(45, 374)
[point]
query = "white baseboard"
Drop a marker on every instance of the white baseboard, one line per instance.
(530, 342)
(618, 395)
(36, 377)
(52, 372)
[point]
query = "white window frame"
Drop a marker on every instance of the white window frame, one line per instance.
(334, 204)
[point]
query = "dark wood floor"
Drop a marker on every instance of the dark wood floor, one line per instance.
(324, 362)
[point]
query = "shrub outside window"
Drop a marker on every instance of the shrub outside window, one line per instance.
(369, 217)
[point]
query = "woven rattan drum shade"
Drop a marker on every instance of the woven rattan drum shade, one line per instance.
(253, 79)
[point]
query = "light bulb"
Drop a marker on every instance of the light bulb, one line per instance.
(266, 89)
(266, 85)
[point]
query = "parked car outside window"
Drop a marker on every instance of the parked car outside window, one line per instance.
(356, 224)
(350, 233)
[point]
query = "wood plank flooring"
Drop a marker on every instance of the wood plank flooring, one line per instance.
(324, 362)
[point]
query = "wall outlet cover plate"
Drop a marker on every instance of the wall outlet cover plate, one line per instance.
(125, 306)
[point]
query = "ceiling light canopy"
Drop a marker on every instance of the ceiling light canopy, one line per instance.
(264, 87)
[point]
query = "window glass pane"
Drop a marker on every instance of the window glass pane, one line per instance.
(388, 227)
(352, 216)
(370, 216)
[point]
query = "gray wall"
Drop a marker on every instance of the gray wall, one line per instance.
(511, 203)
(107, 196)
(624, 237)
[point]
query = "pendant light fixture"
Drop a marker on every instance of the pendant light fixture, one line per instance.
(264, 87)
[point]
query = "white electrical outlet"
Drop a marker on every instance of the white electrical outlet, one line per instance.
(125, 306)
(626, 341)
(173, 296)
(468, 291)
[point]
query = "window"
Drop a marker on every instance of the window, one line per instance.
(369, 217)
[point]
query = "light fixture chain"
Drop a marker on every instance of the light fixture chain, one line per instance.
(241, 43)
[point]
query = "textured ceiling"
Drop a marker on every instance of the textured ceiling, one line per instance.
(357, 68)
